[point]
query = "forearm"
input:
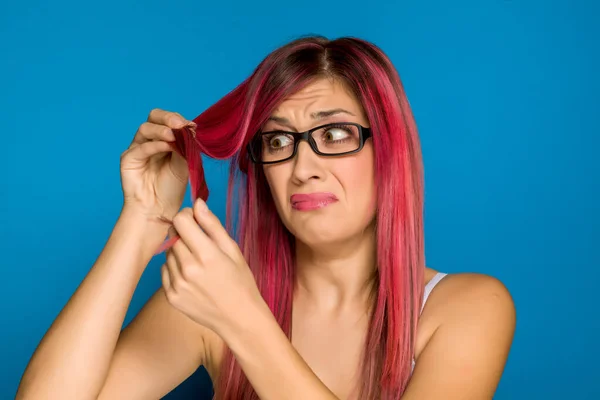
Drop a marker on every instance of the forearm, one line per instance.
(273, 367)
(73, 358)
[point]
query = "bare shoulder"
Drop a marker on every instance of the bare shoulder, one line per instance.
(476, 294)
(469, 292)
(471, 300)
(470, 322)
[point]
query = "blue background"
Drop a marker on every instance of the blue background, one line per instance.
(505, 95)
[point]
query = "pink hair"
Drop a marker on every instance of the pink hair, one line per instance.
(222, 132)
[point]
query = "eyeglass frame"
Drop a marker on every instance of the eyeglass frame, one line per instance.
(363, 132)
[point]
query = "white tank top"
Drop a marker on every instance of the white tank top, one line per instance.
(430, 285)
(428, 288)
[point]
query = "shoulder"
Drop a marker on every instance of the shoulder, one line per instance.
(466, 286)
(469, 298)
(471, 294)
(464, 299)
(470, 319)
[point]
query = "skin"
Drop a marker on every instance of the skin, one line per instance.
(464, 333)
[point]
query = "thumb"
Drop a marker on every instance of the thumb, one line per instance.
(212, 227)
(184, 137)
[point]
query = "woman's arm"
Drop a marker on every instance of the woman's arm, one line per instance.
(273, 366)
(465, 357)
(75, 356)
(157, 351)
(207, 278)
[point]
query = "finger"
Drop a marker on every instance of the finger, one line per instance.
(213, 228)
(149, 131)
(173, 262)
(181, 252)
(166, 280)
(168, 118)
(145, 150)
(174, 268)
(191, 235)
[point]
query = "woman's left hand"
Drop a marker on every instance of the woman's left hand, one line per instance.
(206, 276)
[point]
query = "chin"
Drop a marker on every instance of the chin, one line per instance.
(318, 239)
(319, 231)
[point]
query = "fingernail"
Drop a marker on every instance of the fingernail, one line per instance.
(201, 205)
(180, 122)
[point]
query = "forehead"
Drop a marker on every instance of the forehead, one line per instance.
(321, 94)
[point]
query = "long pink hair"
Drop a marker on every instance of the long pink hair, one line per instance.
(222, 132)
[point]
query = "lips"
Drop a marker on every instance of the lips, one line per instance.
(312, 201)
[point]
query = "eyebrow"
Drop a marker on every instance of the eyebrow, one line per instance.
(315, 115)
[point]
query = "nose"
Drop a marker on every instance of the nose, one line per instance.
(307, 164)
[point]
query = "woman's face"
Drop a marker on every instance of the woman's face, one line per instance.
(341, 191)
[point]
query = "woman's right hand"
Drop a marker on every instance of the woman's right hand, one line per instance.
(153, 175)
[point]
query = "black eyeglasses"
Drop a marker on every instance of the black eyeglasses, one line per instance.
(335, 139)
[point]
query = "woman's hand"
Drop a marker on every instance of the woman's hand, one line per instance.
(153, 176)
(207, 279)
(206, 276)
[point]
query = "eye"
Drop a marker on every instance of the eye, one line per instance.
(277, 141)
(333, 134)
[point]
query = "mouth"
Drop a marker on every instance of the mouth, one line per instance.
(312, 201)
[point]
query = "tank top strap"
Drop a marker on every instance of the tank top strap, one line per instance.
(428, 288)
(430, 285)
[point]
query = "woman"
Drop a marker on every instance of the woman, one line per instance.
(327, 295)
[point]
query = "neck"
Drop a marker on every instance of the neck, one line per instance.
(336, 278)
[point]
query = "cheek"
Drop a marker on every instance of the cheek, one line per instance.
(359, 184)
